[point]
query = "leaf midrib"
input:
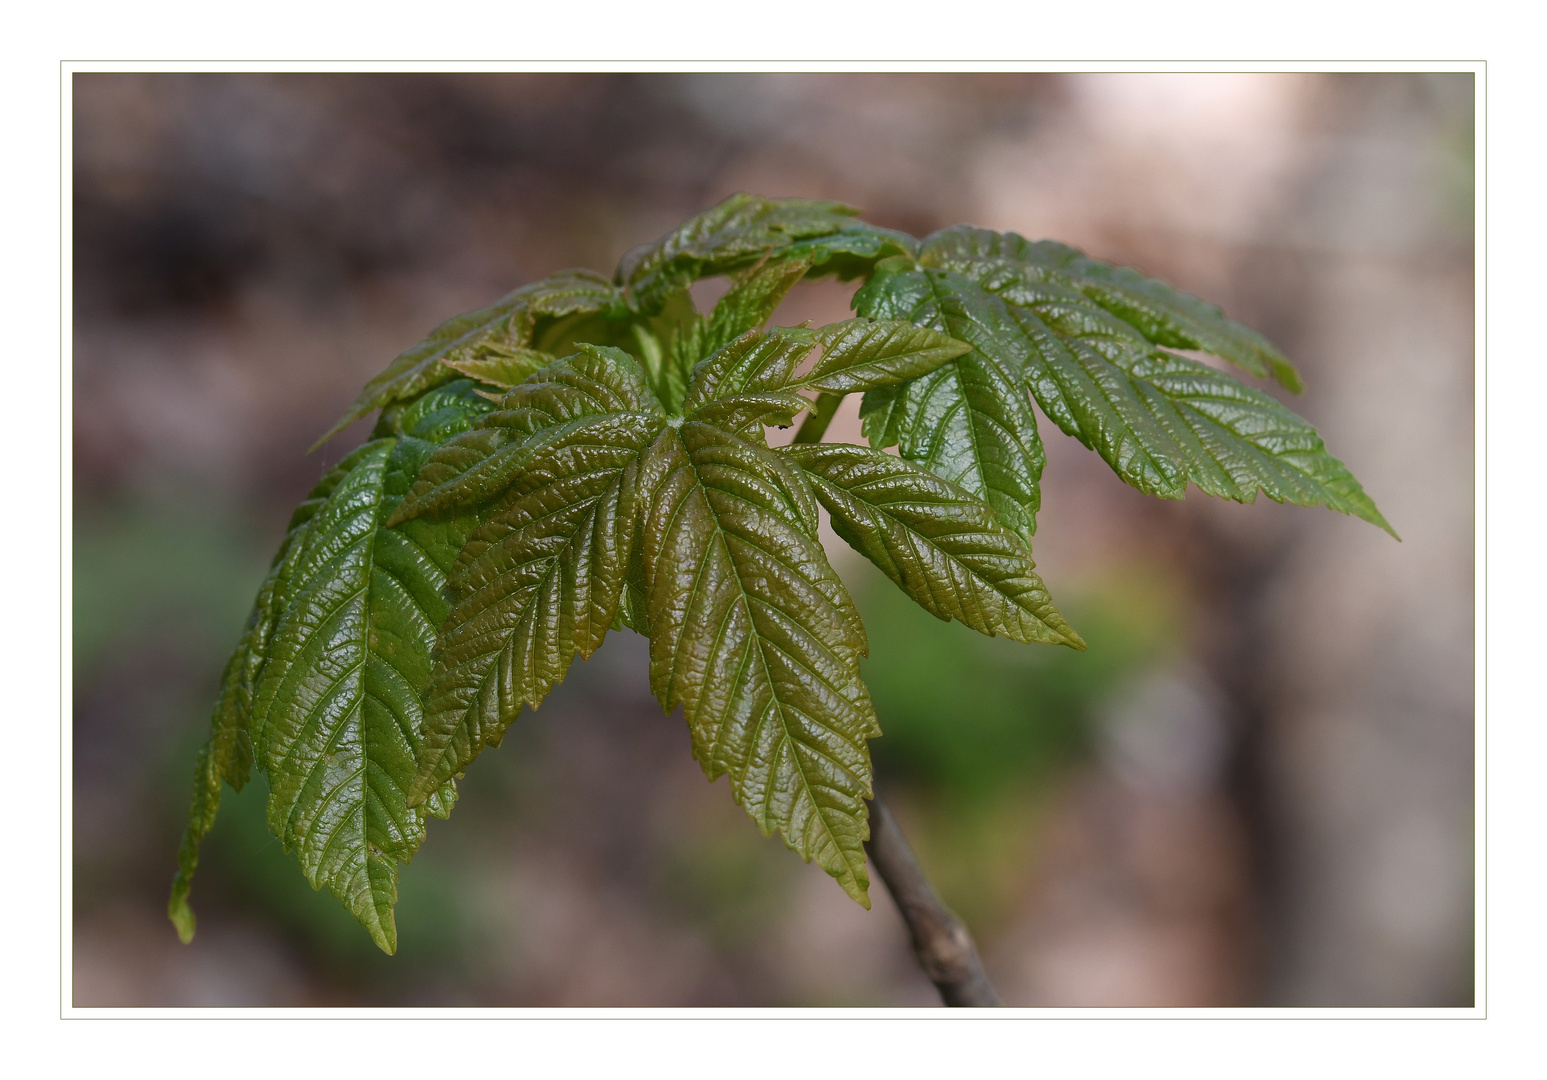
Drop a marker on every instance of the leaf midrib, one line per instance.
(720, 537)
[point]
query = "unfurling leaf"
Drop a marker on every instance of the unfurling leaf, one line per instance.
(729, 236)
(501, 366)
(507, 324)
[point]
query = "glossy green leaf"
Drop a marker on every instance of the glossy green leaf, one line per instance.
(1161, 420)
(741, 386)
(540, 582)
(747, 306)
(1237, 439)
(337, 704)
(507, 324)
(866, 354)
(228, 753)
(753, 635)
(970, 420)
(1164, 315)
(446, 574)
(1094, 399)
(731, 235)
(479, 465)
(942, 546)
(226, 756)
(852, 251)
(500, 365)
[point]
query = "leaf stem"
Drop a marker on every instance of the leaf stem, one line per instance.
(944, 948)
(814, 426)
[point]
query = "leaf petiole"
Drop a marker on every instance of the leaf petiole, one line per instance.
(815, 424)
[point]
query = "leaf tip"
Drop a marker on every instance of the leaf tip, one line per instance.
(348, 418)
(858, 887)
(384, 934)
(1287, 374)
(180, 913)
(1379, 520)
(1364, 509)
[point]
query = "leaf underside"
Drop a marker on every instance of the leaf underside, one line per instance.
(512, 506)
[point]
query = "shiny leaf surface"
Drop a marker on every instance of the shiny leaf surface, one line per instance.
(970, 420)
(337, 702)
(1160, 420)
(747, 306)
(866, 354)
(942, 546)
(755, 637)
(477, 466)
(228, 753)
(731, 235)
(1236, 439)
(511, 508)
(540, 581)
(1164, 315)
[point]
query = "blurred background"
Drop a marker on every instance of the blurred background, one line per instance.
(1256, 788)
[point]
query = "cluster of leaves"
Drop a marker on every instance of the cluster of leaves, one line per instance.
(589, 454)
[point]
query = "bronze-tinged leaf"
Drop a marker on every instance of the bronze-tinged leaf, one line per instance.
(728, 236)
(753, 635)
(755, 365)
(868, 354)
(747, 306)
(540, 582)
(509, 323)
(481, 464)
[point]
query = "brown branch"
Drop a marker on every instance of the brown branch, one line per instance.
(940, 940)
